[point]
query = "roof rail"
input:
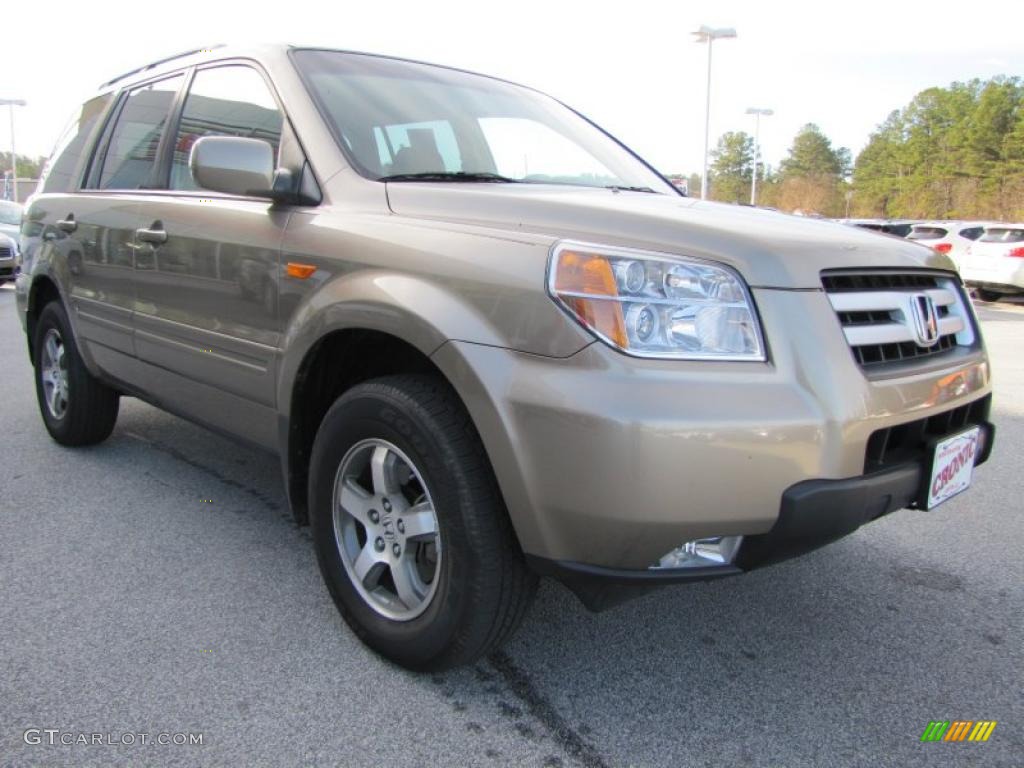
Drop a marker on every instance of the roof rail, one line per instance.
(158, 62)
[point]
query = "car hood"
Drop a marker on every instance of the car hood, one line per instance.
(769, 249)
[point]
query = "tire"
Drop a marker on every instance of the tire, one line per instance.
(480, 587)
(989, 296)
(86, 413)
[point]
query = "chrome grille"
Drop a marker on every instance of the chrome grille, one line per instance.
(6, 252)
(877, 315)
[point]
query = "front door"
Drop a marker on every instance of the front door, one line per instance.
(207, 269)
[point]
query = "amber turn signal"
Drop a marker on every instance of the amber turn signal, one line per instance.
(301, 271)
(584, 273)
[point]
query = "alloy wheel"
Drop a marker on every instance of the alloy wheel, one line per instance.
(386, 529)
(53, 372)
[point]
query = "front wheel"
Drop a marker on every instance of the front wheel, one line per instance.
(77, 408)
(410, 531)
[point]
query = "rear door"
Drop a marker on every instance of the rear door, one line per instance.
(207, 276)
(92, 229)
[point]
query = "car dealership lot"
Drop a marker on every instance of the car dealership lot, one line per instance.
(156, 584)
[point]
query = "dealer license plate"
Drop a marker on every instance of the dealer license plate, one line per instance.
(952, 466)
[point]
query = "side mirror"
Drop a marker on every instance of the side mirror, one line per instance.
(234, 165)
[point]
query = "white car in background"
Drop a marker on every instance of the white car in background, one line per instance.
(994, 264)
(949, 237)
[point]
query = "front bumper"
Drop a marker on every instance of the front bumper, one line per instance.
(612, 461)
(812, 513)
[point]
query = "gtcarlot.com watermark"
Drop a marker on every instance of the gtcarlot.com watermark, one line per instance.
(56, 737)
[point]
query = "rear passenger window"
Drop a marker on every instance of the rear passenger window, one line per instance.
(132, 150)
(224, 101)
(972, 233)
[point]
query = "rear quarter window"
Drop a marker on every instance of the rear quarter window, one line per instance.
(64, 168)
(927, 233)
(900, 230)
(1002, 235)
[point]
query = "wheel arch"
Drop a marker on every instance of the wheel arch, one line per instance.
(42, 291)
(339, 360)
(353, 328)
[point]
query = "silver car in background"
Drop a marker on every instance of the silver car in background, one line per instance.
(10, 220)
(8, 259)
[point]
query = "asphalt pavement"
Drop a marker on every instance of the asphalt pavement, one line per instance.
(155, 585)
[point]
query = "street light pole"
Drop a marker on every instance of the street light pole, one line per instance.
(708, 35)
(707, 127)
(11, 104)
(757, 146)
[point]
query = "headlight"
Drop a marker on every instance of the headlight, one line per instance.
(656, 305)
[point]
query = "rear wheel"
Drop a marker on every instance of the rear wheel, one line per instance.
(986, 295)
(77, 408)
(410, 531)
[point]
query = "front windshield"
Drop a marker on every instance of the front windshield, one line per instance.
(398, 120)
(10, 213)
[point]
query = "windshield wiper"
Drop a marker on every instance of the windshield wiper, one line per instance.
(466, 176)
(621, 188)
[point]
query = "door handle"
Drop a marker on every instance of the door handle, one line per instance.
(69, 224)
(153, 236)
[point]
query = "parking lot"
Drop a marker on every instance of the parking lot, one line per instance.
(156, 584)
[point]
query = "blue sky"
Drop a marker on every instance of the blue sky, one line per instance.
(632, 67)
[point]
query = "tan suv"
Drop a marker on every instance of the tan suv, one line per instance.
(487, 341)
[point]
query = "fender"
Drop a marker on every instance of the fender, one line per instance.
(408, 307)
(415, 309)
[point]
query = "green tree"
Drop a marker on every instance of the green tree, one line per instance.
(952, 152)
(993, 119)
(732, 163)
(767, 186)
(28, 168)
(812, 175)
(878, 170)
(1013, 168)
(693, 182)
(812, 155)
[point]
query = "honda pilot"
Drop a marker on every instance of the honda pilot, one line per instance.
(488, 342)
